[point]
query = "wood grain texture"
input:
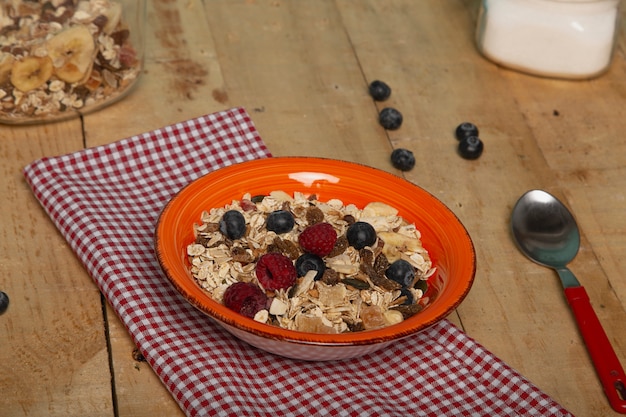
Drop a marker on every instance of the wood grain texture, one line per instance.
(293, 67)
(53, 356)
(301, 69)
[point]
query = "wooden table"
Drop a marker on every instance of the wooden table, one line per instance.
(301, 69)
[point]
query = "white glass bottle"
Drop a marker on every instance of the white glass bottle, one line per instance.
(62, 58)
(571, 39)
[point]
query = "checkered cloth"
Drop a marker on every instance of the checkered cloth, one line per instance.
(106, 200)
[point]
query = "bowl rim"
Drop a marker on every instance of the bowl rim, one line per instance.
(186, 286)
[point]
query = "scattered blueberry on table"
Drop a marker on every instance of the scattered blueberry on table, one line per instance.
(471, 147)
(379, 90)
(4, 302)
(465, 130)
(403, 159)
(470, 144)
(390, 118)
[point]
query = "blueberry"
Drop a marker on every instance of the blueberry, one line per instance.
(402, 272)
(379, 90)
(471, 147)
(308, 262)
(360, 235)
(233, 224)
(390, 118)
(280, 221)
(403, 159)
(465, 130)
(4, 302)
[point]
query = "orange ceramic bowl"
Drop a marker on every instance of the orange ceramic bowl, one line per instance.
(443, 235)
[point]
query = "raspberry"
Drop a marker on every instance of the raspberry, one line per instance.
(275, 271)
(245, 298)
(318, 239)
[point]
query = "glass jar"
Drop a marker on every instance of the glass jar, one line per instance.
(63, 58)
(554, 38)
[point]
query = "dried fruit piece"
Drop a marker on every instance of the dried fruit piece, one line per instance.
(376, 208)
(396, 243)
(331, 295)
(313, 324)
(286, 247)
(379, 280)
(330, 277)
(372, 317)
(31, 72)
(72, 53)
(314, 215)
(381, 263)
(340, 246)
(241, 255)
(409, 310)
(113, 14)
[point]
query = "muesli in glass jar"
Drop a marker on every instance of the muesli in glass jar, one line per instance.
(62, 58)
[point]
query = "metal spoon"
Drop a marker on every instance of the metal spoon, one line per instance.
(546, 232)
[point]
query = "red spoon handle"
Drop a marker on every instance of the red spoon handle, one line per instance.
(605, 360)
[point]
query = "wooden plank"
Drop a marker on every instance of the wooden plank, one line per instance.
(301, 69)
(138, 390)
(53, 357)
(293, 67)
(439, 80)
(181, 80)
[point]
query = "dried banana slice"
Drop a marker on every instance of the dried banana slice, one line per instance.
(376, 209)
(31, 72)
(113, 15)
(395, 243)
(72, 53)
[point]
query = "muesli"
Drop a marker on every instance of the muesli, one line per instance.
(61, 56)
(302, 264)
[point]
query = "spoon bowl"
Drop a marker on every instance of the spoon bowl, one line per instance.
(546, 232)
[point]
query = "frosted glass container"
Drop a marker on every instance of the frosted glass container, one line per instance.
(553, 38)
(63, 58)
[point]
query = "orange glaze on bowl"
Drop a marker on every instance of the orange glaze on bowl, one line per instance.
(443, 236)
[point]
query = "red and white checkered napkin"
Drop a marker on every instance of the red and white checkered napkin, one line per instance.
(106, 200)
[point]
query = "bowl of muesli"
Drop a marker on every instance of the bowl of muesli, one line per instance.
(313, 258)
